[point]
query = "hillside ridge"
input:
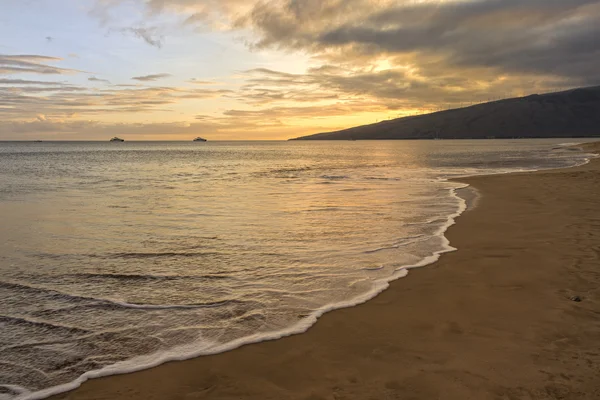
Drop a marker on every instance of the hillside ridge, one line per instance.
(570, 113)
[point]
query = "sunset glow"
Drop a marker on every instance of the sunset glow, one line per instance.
(232, 69)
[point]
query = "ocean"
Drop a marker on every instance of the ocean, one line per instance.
(116, 257)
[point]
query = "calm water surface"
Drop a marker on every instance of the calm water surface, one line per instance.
(116, 256)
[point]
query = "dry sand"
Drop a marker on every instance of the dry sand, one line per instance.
(492, 320)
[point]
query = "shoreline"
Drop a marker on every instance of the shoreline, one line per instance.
(466, 201)
(131, 385)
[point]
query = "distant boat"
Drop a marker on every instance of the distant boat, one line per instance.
(116, 139)
(199, 139)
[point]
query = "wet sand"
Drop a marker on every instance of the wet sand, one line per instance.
(493, 320)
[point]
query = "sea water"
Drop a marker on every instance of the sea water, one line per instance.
(119, 256)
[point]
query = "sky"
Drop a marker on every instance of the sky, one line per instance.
(275, 69)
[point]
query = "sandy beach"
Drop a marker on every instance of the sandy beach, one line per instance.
(493, 320)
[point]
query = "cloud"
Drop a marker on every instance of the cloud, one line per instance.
(517, 36)
(271, 113)
(36, 64)
(551, 37)
(94, 79)
(200, 82)
(455, 44)
(206, 14)
(398, 85)
(24, 99)
(153, 77)
(27, 82)
(149, 35)
(35, 89)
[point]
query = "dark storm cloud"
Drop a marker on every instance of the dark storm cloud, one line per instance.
(441, 39)
(519, 36)
(554, 37)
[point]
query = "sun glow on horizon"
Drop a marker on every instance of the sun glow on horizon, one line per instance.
(272, 69)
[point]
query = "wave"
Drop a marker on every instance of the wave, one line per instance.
(567, 144)
(13, 390)
(324, 209)
(377, 250)
(402, 242)
(96, 301)
(374, 268)
(130, 255)
(51, 293)
(428, 222)
(147, 277)
(286, 170)
(158, 255)
(7, 319)
(175, 306)
(377, 178)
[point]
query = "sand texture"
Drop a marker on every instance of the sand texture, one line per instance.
(493, 320)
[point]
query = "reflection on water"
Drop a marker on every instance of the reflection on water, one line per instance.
(110, 251)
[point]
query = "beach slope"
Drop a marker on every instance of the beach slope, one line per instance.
(493, 320)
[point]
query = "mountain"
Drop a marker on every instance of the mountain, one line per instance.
(572, 113)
